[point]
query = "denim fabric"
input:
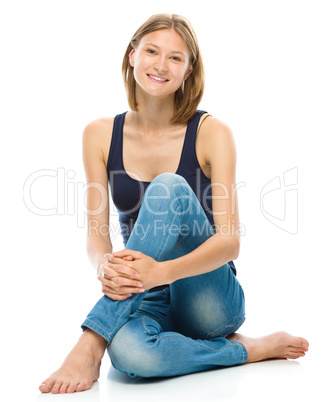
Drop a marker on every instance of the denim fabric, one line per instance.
(180, 329)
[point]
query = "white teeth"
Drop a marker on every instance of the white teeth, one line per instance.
(157, 78)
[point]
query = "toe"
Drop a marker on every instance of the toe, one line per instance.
(305, 344)
(300, 349)
(295, 354)
(44, 388)
(72, 388)
(83, 386)
(56, 387)
(293, 342)
(63, 388)
(300, 343)
(47, 385)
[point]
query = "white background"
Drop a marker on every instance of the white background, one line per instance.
(61, 69)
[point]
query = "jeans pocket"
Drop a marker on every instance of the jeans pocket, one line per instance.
(227, 328)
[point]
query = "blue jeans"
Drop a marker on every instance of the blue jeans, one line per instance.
(183, 328)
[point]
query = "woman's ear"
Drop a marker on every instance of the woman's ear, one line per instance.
(188, 72)
(131, 57)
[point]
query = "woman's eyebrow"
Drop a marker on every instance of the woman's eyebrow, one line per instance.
(157, 47)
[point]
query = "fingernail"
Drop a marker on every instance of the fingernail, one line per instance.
(141, 290)
(137, 275)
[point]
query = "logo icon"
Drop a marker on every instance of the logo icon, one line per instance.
(279, 201)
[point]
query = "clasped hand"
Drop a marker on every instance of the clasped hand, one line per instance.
(126, 272)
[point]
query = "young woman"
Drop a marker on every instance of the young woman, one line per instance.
(172, 302)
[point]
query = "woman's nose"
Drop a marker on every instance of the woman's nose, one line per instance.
(161, 64)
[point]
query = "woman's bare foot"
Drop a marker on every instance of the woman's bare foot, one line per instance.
(81, 367)
(279, 345)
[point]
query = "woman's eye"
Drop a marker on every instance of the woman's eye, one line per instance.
(176, 58)
(150, 51)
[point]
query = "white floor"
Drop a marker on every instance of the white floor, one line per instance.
(265, 381)
(277, 380)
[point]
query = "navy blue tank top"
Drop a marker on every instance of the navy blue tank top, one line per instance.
(127, 193)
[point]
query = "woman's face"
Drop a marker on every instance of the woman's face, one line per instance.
(161, 62)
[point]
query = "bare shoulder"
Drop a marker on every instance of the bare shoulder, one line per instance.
(216, 140)
(97, 137)
(214, 128)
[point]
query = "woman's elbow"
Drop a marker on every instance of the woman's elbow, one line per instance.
(236, 247)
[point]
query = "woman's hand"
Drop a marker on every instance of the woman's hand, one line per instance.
(148, 271)
(118, 285)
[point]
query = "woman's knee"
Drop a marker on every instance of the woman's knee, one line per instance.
(169, 179)
(132, 350)
(168, 192)
(167, 185)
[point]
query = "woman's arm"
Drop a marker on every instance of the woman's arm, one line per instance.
(97, 203)
(97, 135)
(217, 142)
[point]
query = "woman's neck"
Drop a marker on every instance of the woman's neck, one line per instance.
(154, 114)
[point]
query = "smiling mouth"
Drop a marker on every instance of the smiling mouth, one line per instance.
(158, 79)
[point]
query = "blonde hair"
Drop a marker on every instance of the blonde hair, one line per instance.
(187, 97)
